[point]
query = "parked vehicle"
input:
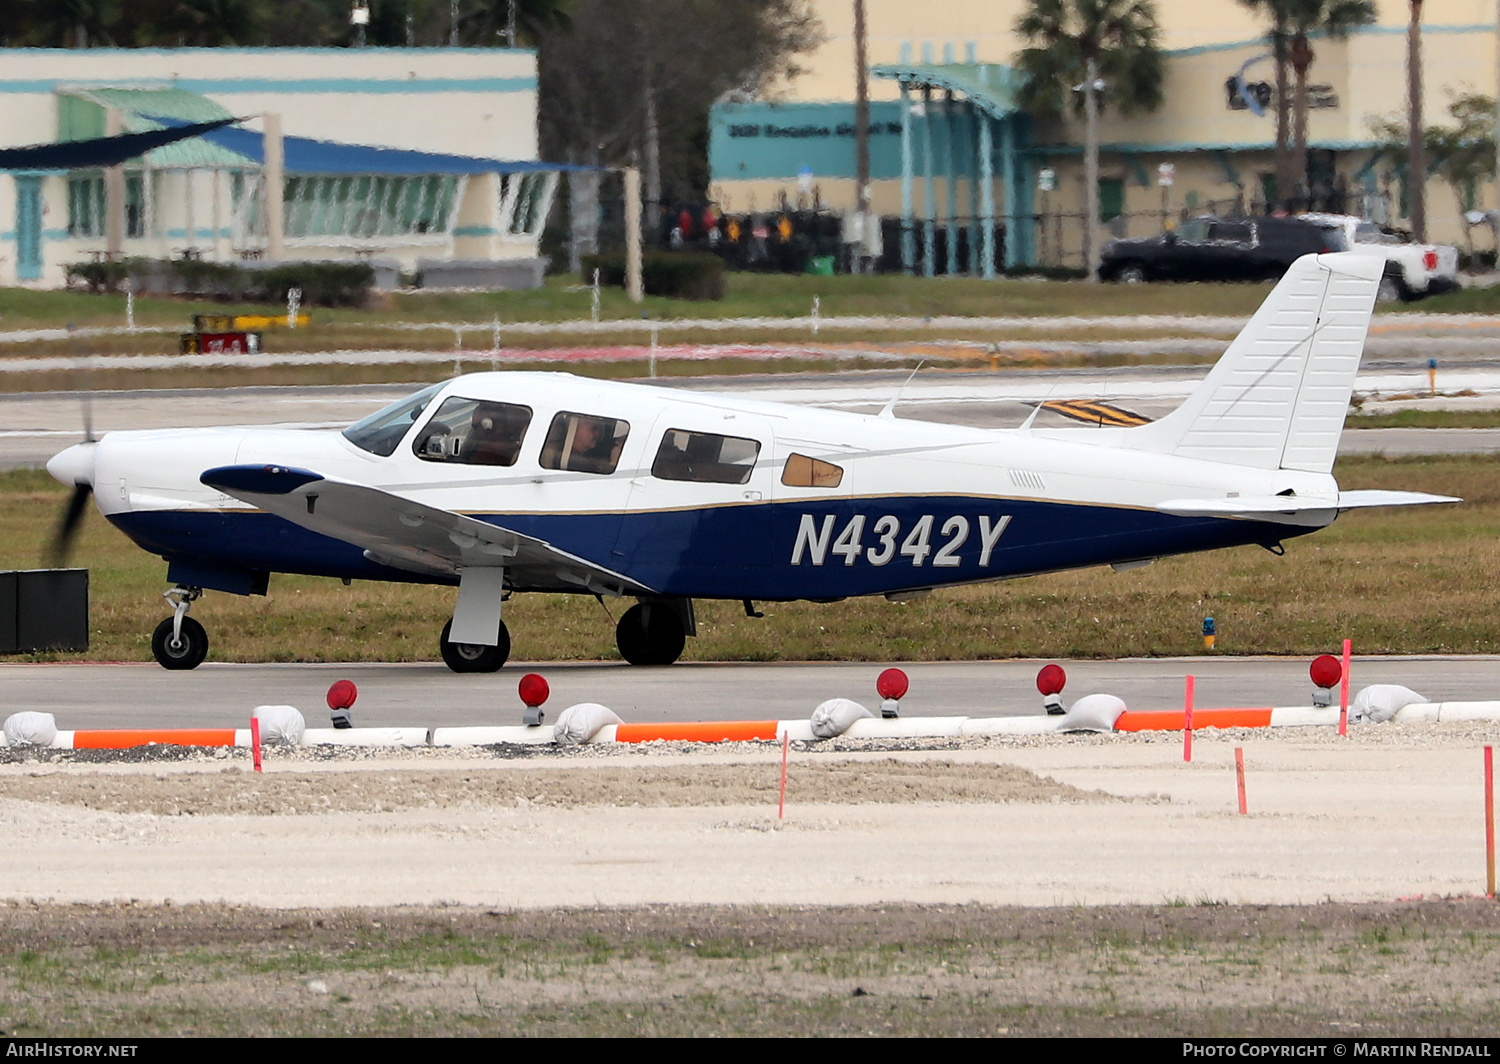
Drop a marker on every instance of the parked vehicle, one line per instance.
(1412, 270)
(1219, 249)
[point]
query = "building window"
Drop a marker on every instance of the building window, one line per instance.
(87, 212)
(525, 200)
(86, 205)
(369, 206)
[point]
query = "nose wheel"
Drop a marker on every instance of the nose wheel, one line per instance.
(184, 650)
(650, 633)
(474, 657)
(180, 642)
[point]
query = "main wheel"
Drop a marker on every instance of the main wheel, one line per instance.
(474, 657)
(1131, 274)
(187, 652)
(650, 634)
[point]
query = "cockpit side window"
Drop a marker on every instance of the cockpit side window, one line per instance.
(705, 458)
(382, 432)
(584, 443)
(474, 432)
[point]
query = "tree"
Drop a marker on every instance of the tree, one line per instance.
(1094, 52)
(1462, 154)
(1280, 37)
(1333, 18)
(1416, 186)
(634, 79)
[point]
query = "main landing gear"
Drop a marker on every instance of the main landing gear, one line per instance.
(180, 642)
(474, 657)
(653, 633)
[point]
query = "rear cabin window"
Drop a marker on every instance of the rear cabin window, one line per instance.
(584, 443)
(705, 458)
(1229, 233)
(474, 432)
(804, 472)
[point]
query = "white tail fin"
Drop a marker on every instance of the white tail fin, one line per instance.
(1278, 396)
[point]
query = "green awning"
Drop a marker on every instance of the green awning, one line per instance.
(81, 112)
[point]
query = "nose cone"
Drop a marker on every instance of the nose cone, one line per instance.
(75, 465)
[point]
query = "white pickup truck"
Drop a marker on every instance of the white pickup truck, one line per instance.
(1411, 270)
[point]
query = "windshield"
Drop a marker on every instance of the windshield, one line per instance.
(381, 433)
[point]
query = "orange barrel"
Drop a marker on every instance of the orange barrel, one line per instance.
(711, 731)
(1171, 719)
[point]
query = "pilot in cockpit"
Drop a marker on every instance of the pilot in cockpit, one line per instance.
(493, 437)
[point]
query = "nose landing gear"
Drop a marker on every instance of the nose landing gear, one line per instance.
(180, 642)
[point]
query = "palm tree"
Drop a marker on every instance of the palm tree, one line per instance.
(1280, 35)
(1093, 52)
(1333, 18)
(1416, 163)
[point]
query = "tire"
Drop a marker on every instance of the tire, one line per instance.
(474, 657)
(190, 651)
(650, 633)
(1130, 273)
(1393, 288)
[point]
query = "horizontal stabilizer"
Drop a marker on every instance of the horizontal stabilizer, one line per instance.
(1359, 500)
(1295, 509)
(406, 534)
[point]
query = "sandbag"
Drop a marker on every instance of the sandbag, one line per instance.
(836, 716)
(30, 728)
(279, 724)
(1382, 701)
(1096, 713)
(580, 723)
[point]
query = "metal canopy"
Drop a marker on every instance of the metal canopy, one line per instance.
(990, 87)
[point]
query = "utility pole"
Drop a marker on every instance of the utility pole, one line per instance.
(1416, 154)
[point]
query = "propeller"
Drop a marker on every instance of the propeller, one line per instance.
(67, 529)
(74, 467)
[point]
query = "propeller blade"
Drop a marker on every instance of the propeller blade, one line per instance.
(67, 528)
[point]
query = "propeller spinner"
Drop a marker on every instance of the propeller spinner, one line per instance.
(74, 468)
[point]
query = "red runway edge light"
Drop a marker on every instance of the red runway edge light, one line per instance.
(342, 694)
(1325, 670)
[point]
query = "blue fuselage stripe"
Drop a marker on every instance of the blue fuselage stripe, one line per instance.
(785, 550)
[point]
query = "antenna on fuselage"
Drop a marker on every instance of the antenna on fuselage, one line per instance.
(889, 410)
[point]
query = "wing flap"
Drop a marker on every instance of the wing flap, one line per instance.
(406, 534)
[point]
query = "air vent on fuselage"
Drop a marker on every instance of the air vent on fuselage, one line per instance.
(1024, 478)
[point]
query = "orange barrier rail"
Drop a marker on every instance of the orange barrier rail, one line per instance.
(123, 738)
(1172, 719)
(712, 731)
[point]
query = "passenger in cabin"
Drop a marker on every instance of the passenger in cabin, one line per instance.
(594, 450)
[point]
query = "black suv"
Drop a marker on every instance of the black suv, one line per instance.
(1218, 249)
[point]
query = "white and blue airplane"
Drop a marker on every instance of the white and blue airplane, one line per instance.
(512, 482)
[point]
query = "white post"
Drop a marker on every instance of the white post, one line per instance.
(275, 176)
(595, 298)
(114, 194)
(293, 303)
(633, 286)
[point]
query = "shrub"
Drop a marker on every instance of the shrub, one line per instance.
(673, 274)
(323, 284)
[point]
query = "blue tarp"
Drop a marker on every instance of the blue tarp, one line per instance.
(304, 155)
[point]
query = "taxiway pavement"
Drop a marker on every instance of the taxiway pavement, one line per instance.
(429, 695)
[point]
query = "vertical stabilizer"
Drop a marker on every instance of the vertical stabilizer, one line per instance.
(1278, 396)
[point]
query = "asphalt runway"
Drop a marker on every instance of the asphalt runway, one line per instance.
(428, 695)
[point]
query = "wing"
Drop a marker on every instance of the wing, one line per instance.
(404, 534)
(1296, 510)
